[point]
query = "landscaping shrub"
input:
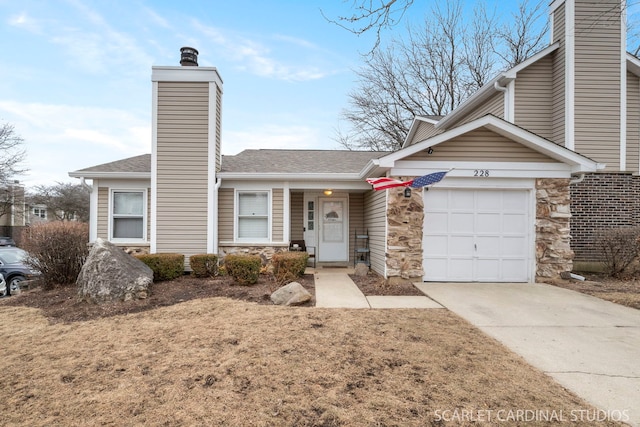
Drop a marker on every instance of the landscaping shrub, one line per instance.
(204, 265)
(165, 266)
(288, 266)
(245, 269)
(58, 250)
(618, 248)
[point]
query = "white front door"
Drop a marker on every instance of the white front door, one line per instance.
(477, 235)
(333, 238)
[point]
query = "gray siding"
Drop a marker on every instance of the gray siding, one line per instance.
(182, 167)
(482, 145)
(225, 214)
(103, 212)
(356, 220)
(218, 128)
(375, 207)
(558, 79)
(494, 105)
(633, 123)
(597, 81)
(296, 215)
(533, 95)
(425, 130)
(277, 215)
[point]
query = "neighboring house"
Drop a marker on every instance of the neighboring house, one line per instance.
(14, 211)
(564, 124)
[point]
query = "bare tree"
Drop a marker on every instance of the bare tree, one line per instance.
(522, 38)
(438, 66)
(372, 15)
(12, 153)
(64, 201)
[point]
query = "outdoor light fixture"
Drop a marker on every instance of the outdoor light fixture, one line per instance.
(328, 192)
(430, 150)
(407, 192)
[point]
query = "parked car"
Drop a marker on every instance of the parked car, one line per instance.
(7, 241)
(14, 269)
(3, 286)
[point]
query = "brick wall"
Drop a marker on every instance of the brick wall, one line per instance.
(602, 201)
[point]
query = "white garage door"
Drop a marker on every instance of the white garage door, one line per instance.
(477, 235)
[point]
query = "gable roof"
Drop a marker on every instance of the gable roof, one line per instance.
(132, 167)
(578, 162)
(250, 163)
(489, 89)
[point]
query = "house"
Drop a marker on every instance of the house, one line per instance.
(14, 212)
(539, 157)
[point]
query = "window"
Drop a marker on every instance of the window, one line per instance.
(128, 215)
(253, 216)
(40, 212)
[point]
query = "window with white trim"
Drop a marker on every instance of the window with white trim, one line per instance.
(127, 215)
(252, 216)
(40, 212)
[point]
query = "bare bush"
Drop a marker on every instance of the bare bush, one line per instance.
(58, 250)
(618, 248)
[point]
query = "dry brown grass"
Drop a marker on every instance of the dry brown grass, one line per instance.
(217, 361)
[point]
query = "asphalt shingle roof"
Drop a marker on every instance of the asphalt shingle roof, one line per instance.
(299, 161)
(137, 164)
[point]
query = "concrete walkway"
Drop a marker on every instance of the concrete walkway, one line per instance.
(335, 289)
(588, 345)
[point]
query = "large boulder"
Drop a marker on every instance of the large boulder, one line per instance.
(292, 294)
(110, 274)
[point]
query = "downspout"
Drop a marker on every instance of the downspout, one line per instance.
(215, 215)
(577, 179)
(504, 90)
(85, 185)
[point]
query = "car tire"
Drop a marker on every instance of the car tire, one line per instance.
(13, 285)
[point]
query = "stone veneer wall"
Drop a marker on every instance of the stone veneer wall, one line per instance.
(265, 252)
(405, 222)
(553, 213)
(601, 201)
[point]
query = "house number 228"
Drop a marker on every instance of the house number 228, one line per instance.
(481, 172)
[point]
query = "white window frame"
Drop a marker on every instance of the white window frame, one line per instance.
(236, 217)
(112, 191)
(40, 210)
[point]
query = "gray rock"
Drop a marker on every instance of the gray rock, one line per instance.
(361, 270)
(292, 294)
(110, 274)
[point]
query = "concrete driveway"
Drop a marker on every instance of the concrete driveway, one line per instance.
(588, 345)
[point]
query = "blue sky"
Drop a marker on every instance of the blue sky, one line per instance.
(75, 75)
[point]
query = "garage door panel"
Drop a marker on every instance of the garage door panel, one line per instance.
(514, 223)
(461, 245)
(437, 222)
(514, 246)
(514, 201)
(460, 270)
(436, 246)
(462, 222)
(437, 268)
(488, 223)
(487, 270)
(477, 235)
(488, 246)
(514, 270)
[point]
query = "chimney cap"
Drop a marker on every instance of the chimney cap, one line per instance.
(188, 56)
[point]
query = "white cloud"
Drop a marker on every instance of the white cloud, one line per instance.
(61, 138)
(259, 59)
(22, 20)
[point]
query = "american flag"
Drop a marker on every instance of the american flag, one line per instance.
(384, 183)
(429, 179)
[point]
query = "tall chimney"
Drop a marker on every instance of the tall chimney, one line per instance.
(188, 57)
